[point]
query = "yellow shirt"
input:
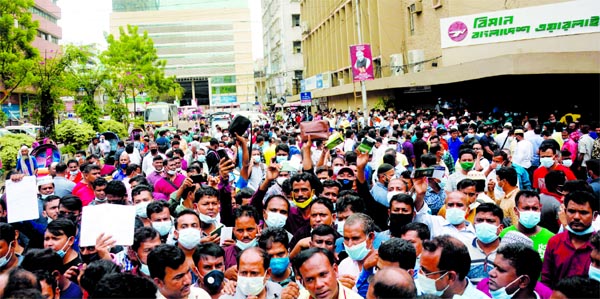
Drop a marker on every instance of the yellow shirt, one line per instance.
(269, 154)
(507, 204)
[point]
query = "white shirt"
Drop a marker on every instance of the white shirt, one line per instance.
(438, 226)
(523, 153)
(585, 145)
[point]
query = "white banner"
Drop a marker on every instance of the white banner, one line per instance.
(565, 18)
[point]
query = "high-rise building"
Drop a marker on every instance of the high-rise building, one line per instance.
(207, 45)
(473, 54)
(282, 44)
(47, 13)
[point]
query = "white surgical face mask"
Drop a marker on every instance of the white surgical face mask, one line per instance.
(567, 163)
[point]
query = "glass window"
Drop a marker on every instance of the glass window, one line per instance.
(295, 20)
(297, 48)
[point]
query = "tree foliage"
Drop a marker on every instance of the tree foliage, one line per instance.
(17, 55)
(114, 126)
(134, 67)
(77, 136)
(11, 144)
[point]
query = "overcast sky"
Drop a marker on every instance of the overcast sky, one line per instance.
(86, 21)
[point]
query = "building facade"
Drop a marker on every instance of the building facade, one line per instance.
(207, 45)
(282, 44)
(47, 13)
(503, 53)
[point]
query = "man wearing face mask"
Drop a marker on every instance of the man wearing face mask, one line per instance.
(142, 197)
(276, 212)
(188, 235)
(548, 161)
(346, 178)
(172, 180)
(528, 210)
(45, 187)
(245, 231)
(275, 242)
(466, 158)
(445, 263)
(282, 153)
(253, 275)
(74, 174)
(147, 161)
(568, 253)
(124, 161)
(488, 224)
(209, 267)
(385, 173)
(207, 204)
(359, 233)
(8, 241)
(517, 267)
(60, 236)
(594, 272)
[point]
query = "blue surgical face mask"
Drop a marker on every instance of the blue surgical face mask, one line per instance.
(281, 159)
(241, 245)
(588, 231)
(357, 252)
(501, 292)
(455, 216)
(279, 265)
(594, 273)
(529, 219)
(202, 158)
(4, 260)
(486, 233)
(163, 227)
(547, 161)
(275, 219)
(62, 251)
(427, 285)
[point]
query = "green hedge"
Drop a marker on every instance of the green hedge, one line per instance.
(11, 144)
(114, 126)
(74, 136)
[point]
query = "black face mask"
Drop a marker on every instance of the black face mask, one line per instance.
(88, 258)
(346, 184)
(154, 151)
(213, 281)
(397, 221)
(73, 218)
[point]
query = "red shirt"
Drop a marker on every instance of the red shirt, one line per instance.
(562, 259)
(75, 179)
(540, 173)
(84, 192)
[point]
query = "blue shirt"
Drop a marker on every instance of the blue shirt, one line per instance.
(379, 192)
(33, 161)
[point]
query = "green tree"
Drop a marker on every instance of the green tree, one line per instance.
(49, 82)
(84, 78)
(74, 136)
(134, 68)
(17, 56)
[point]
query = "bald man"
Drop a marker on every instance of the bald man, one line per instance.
(392, 282)
(454, 224)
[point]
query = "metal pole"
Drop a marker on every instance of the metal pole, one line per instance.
(363, 87)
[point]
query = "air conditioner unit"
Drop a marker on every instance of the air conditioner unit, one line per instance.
(416, 7)
(397, 64)
(415, 60)
(304, 27)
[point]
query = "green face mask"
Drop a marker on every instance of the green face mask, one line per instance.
(467, 165)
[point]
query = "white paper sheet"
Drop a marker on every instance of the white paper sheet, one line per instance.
(117, 221)
(21, 200)
(226, 234)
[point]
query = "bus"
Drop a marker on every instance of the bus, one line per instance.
(161, 114)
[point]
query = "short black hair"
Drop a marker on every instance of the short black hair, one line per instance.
(272, 235)
(271, 197)
(62, 226)
(7, 233)
(323, 230)
(323, 201)
(163, 256)
(398, 250)
(305, 255)
(116, 188)
(509, 174)
(207, 249)
(99, 182)
(61, 167)
(307, 177)
(137, 190)
(124, 285)
(246, 211)
(581, 198)
(94, 273)
(42, 259)
(143, 234)
(578, 287)
(141, 180)
(156, 206)
(186, 212)
(352, 202)
(403, 198)
(526, 194)
(454, 255)
(245, 192)
(331, 183)
(205, 191)
(489, 207)
(71, 202)
(524, 259)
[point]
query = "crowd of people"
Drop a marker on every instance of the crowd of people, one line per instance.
(410, 204)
